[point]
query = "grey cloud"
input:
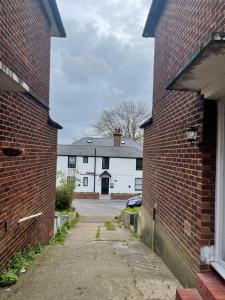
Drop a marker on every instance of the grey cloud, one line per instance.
(93, 69)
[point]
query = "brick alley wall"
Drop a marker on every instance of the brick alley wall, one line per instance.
(25, 42)
(27, 181)
(179, 176)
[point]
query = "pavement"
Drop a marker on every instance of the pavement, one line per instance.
(99, 207)
(116, 266)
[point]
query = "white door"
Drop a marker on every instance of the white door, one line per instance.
(219, 263)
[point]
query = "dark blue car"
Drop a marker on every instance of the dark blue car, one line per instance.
(134, 201)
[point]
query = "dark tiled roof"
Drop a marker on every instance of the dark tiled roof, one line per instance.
(107, 142)
(101, 151)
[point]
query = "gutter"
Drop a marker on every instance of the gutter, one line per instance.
(53, 123)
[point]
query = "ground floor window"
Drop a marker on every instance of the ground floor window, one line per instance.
(85, 181)
(71, 181)
(138, 184)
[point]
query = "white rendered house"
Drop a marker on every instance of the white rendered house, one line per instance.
(103, 166)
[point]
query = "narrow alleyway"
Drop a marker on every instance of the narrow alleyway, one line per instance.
(115, 266)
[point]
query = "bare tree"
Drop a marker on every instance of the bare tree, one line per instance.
(127, 116)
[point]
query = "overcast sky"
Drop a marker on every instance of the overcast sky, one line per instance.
(103, 60)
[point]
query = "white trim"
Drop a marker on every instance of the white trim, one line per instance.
(219, 268)
(219, 263)
(17, 83)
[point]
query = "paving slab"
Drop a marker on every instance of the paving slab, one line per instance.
(116, 266)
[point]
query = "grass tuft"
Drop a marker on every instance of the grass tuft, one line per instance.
(61, 234)
(109, 225)
(97, 233)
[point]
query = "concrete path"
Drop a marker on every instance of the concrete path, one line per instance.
(117, 266)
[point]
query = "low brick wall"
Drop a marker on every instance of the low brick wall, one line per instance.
(122, 196)
(86, 195)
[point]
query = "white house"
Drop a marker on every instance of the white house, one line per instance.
(104, 166)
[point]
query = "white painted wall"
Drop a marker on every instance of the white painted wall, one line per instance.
(122, 170)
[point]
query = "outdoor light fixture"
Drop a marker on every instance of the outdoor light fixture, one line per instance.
(191, 134)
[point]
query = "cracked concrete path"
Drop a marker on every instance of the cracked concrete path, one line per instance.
(117, 266)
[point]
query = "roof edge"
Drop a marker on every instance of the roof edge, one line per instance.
(53, 123)
(52, 11)
(146, 123)
(153, 18)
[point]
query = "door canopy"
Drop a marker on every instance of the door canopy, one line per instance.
(105, 174)
(205, 72)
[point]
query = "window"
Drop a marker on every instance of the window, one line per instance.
(71, 161)
(85, 181)
(139, 164)
(71, 182)
(85, 159)
(138, 184)
(105, 163)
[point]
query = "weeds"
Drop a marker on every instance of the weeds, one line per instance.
(119, 218)
(61, 234)
(133, 209)
(97, 233)
(109, 225)
(19, 264)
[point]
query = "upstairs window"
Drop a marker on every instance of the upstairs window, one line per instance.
(139, 164)
(72, 162)
(85, 181)
(105, 163)
(85, 159)
(138, 184)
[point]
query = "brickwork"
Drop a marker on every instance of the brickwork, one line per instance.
(25, 31)
(27, 181)
(179, 176)
(122, 196)
(84, 195)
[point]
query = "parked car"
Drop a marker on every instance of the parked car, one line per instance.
(134, 201)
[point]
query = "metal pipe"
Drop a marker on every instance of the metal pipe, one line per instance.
(153, 226)
(30, 217)
(95, 171)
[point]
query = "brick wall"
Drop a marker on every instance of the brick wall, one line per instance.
(25, 44)
(179, 176)
(27, 182)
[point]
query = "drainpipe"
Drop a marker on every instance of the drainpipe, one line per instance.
(95, 170)
(153, 226)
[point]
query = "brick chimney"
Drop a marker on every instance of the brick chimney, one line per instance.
(117, 137)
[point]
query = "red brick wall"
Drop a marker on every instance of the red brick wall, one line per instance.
(27, 182)
(25, 32)
(179, 176)
(122, 196)
(79, 195)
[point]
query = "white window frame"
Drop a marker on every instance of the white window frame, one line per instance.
(137, 184)
(85, 157)
(85, 183)
(72, 165)
(219, 263)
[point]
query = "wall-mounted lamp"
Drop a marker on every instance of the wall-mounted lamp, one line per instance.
(191, 134)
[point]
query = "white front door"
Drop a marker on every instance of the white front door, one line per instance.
(219, 263)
